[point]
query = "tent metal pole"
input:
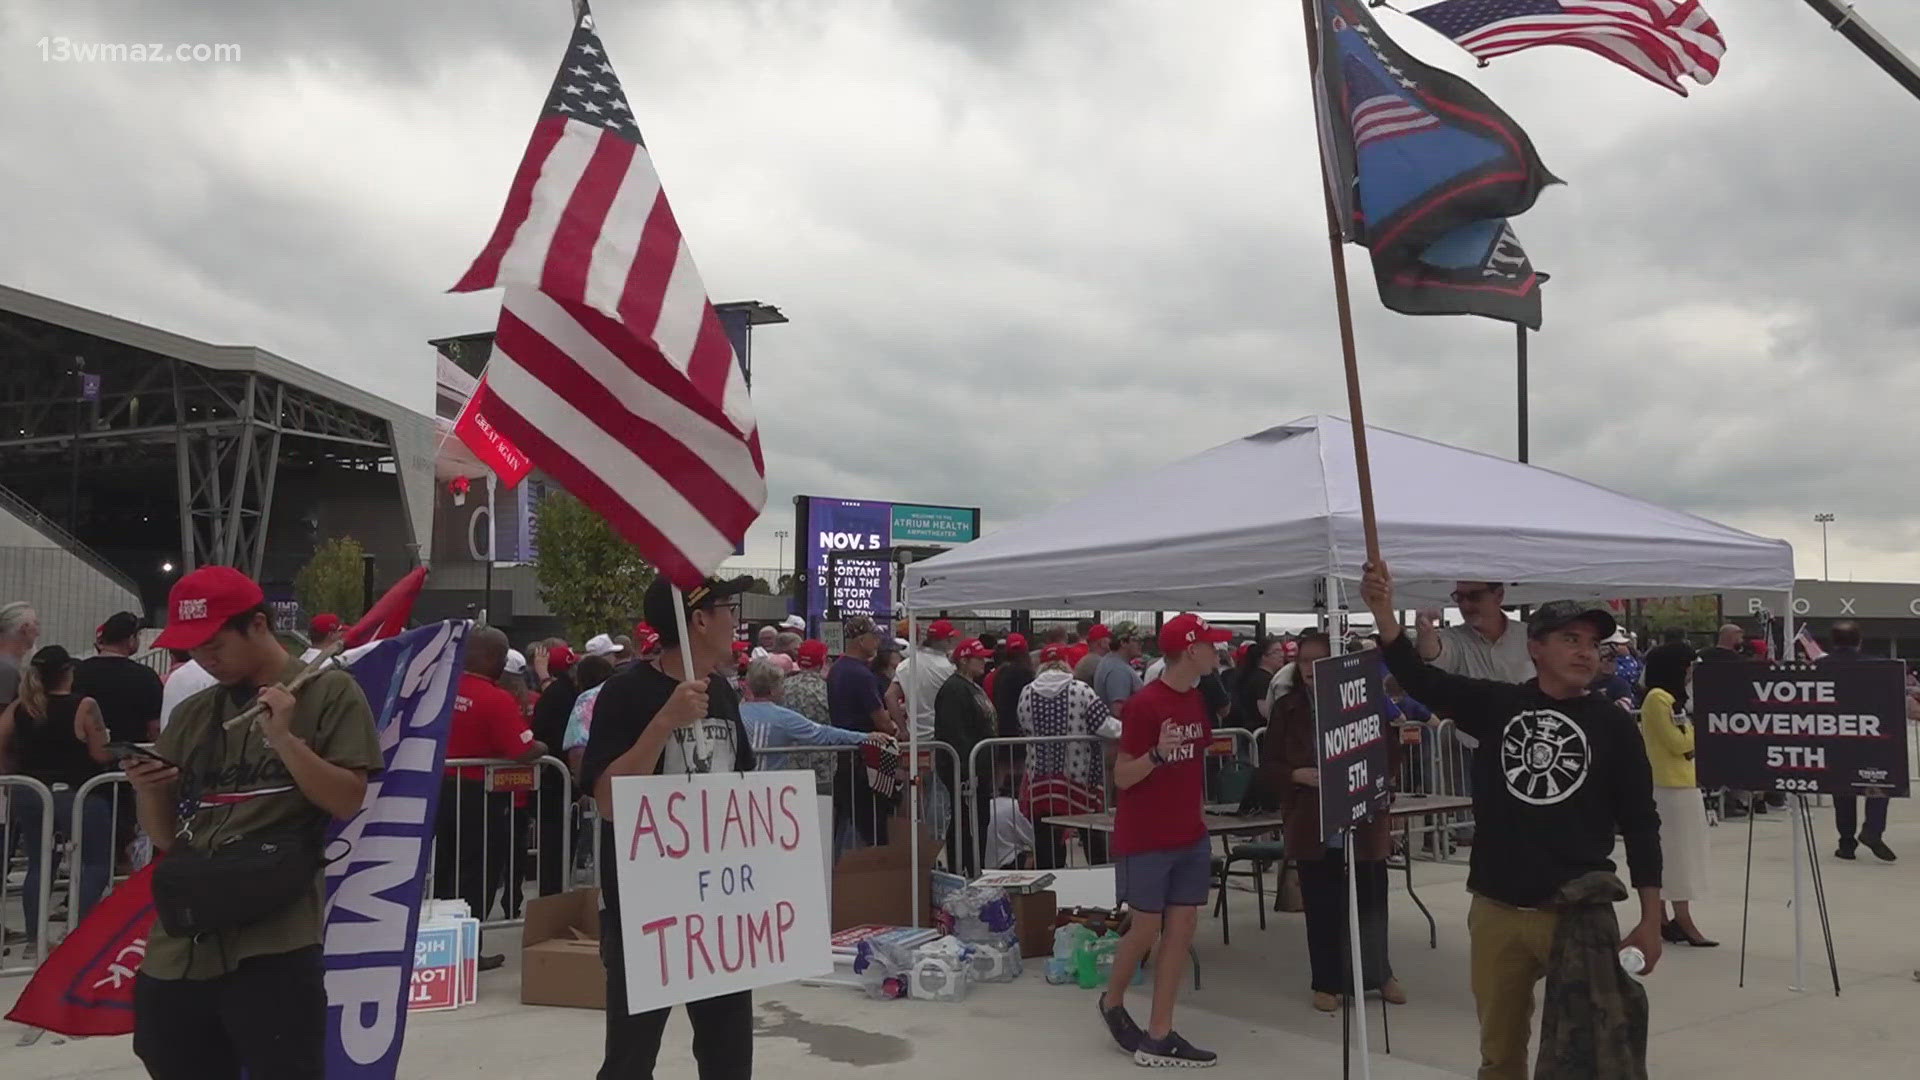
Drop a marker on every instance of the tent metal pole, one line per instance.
(913, 760)
(1797, 817)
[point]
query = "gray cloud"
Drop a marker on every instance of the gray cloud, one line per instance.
(1029, 248)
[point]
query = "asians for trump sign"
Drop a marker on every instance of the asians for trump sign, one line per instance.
(721, 887)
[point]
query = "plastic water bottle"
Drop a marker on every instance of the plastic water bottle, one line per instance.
(1633, 961)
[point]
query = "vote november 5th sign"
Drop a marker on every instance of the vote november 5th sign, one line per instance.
(720, 884)
(1834, 728)
(1351, 741)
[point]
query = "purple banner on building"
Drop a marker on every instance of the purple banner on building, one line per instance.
(855, 586)
(374, 891)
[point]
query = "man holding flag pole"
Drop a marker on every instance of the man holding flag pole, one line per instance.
(612, 373)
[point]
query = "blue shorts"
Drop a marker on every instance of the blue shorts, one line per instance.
(1154, 880)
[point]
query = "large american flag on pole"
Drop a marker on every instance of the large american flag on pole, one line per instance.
(610, 369)
(1661, 40)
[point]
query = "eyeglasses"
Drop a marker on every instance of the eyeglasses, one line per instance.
(1471, 596)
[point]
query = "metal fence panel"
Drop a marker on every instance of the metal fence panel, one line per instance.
(38, 853)
(484, 842)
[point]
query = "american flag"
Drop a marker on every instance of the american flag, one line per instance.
(1808, 646)
(1660, 39)
(610, 369)
(1381, 113)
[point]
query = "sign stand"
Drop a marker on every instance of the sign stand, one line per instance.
(1805, 823)
(1746, 900)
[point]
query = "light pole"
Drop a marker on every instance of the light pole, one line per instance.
(1825, 520)
(780, 537)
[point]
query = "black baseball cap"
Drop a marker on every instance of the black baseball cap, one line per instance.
(658, 611)
(1556, 614)
(118, 628)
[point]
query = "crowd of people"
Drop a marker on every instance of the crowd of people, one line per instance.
(1603, 736)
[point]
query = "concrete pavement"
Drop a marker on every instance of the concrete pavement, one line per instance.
(1254, 1007)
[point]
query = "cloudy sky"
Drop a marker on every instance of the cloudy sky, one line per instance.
(1027, 245)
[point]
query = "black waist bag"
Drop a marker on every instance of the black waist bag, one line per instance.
(239, 883)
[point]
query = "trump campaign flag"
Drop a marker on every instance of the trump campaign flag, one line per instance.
(1659, 40)
(494, 450)
(379, 873)
(374, 884)
(610, 368)
(1425, 170)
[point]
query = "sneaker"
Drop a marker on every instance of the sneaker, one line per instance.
(1845, 851)
(1120, 1024)
(1393, 993)
(1172, 1052)
(1326, 1003)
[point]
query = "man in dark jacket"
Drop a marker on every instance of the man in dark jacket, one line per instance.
(1558, 773)
(963, 718)
(1846, 808)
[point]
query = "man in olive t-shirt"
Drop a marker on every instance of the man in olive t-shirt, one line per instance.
(251, 997)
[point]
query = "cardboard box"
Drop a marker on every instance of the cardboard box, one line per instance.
(875, 885)
(1033, 915)
(560, 952)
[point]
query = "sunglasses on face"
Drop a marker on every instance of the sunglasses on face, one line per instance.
(1471, 596)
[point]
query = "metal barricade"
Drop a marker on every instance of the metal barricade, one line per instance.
(39, 849)
(1229, 768)
(121, 794)
(1008, 767)
(481, 840)
(1440, 764)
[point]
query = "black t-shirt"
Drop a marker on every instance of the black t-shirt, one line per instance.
(1214, 692)
(127, 691)
(626, 705)
(551, 711)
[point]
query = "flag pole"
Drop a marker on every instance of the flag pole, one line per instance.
(1363, 470)
(1520, 364)
(686, 664)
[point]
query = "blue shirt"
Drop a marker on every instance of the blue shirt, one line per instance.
(853, 694)
(1115, 681)
(770, 726)
(1409, 709)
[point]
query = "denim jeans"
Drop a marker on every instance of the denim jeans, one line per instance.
(95, 863)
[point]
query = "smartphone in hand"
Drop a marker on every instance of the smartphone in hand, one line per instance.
(121, 751)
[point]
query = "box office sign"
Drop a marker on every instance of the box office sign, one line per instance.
(1834, 728)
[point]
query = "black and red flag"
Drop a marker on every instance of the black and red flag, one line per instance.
(1425, 170)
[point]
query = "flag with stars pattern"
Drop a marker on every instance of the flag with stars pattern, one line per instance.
(1424, 170)
(610, 369)
(1659, 40)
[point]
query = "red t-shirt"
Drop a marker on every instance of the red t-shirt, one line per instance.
(1077, 653)
(1166, 810)
(487, 723)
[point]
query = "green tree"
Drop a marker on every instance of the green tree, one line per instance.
(590, 578)
(333, 580)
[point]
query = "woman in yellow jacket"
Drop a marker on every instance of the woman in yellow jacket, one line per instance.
(1676, 791)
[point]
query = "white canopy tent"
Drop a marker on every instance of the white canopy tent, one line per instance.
(1255, 524)
(1266, 522)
